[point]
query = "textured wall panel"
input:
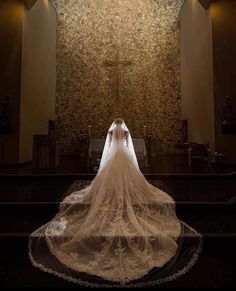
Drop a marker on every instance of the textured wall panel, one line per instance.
(118, 58)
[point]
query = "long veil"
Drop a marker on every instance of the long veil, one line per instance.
(119, 231)
(107, 145)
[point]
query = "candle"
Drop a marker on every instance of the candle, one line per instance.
(145, 130)
(89, 130)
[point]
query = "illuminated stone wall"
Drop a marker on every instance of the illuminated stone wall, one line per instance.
(118, 58)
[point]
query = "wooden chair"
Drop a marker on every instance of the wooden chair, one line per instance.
(199, 151)
(46, 151)
(181, 151)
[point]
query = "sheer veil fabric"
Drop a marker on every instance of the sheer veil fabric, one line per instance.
(119, 231)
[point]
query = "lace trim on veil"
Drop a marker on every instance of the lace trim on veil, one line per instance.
(118, 203)
(147, 283)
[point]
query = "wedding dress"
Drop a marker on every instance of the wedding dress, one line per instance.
(119, 231)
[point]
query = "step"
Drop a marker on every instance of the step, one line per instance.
(26, 217)
(53, 188)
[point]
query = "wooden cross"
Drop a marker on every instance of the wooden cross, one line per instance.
(118, 65)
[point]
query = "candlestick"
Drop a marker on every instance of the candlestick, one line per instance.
(89, 130)
(145, 130)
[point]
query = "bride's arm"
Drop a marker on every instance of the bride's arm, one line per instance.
(127, 138)
(110, 137)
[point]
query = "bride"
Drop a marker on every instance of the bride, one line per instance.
(119, 231)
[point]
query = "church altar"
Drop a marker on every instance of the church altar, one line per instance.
(96, 146)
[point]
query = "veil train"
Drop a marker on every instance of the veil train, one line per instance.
(118, 231)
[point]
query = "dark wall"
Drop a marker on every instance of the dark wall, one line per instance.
(11, 17)
(224, 68)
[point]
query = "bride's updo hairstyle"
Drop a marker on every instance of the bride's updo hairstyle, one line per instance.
(118, 121)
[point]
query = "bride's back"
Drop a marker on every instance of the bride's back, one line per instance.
(118, 141)
(118, 133)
